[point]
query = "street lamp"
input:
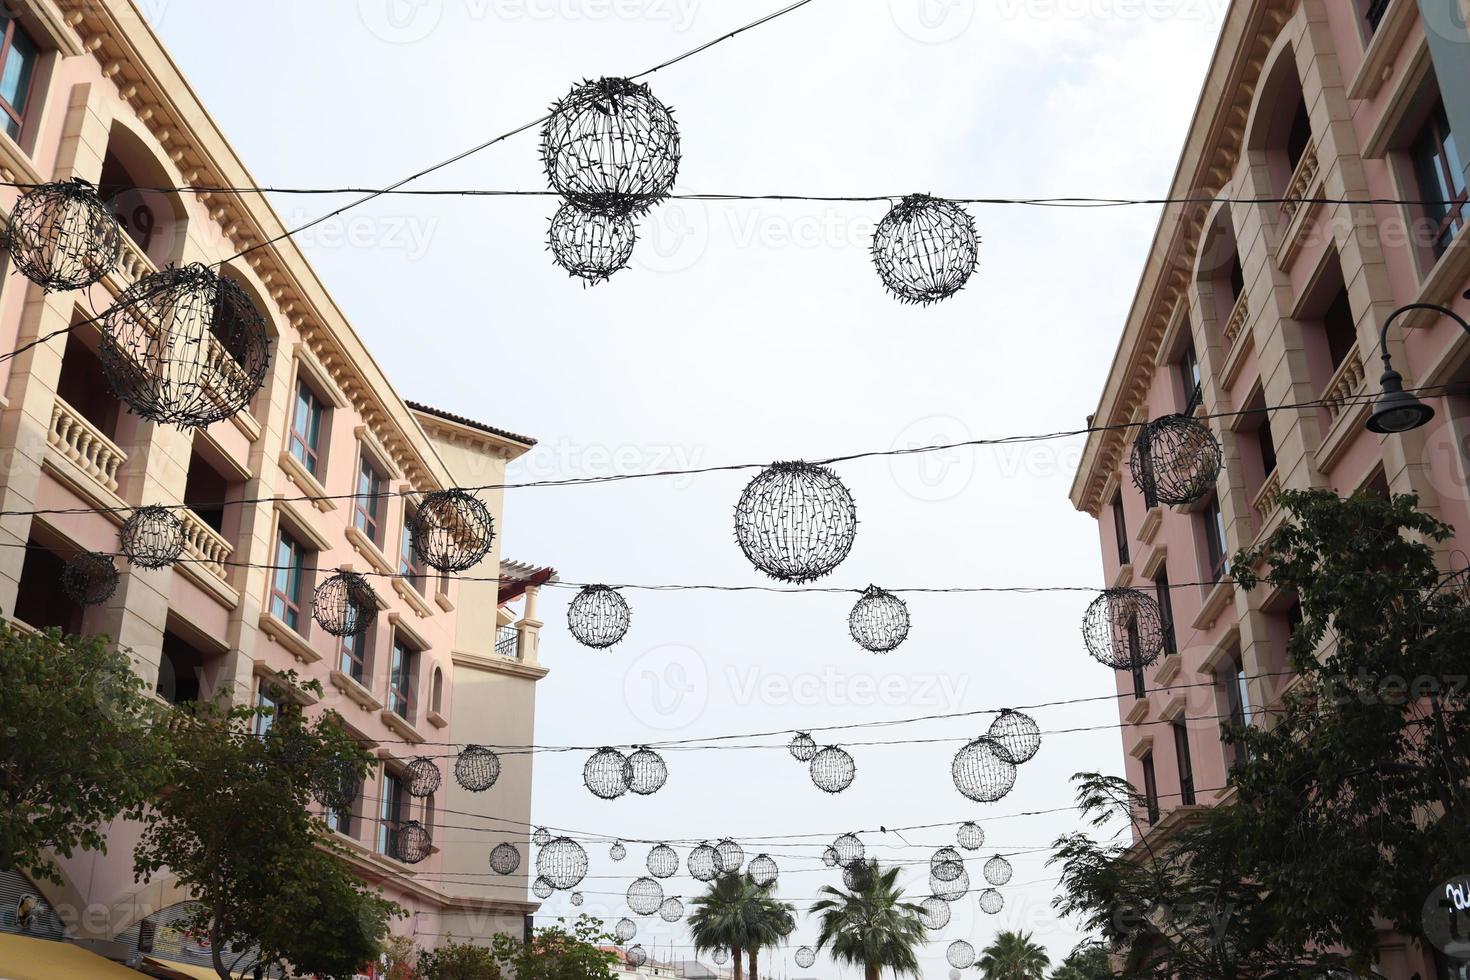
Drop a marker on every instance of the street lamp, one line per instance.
(1398, 410)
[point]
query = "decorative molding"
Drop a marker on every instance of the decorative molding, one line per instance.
(294, 642)
(436, 719)
(498, 665)
(354, 691)
(1123, 578)
(1169, 669)
(309, 484)
(411, 595)
(403, 626)
(1136, 714)
(1152, 521)
(299, 525)
(1215, 602)
(1376, 68)
(402, 726)
(366, 547)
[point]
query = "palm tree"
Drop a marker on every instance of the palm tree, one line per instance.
(1013, 956)
(872, 926)
(773, 922)
(729, 916)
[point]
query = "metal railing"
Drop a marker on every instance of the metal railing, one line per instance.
(507, 641)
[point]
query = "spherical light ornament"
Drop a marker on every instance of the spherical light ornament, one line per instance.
(563, 862)
(763, 870)
(598, 617)
(970, 836)
(1123, 628)
(62, 236)
(451, 530)
(423, 777)
(607, 774)
(336, 784)
(802, 747)
(625, 930)
(636, 956)
(857, 876)
(645, 896)
(961, 955)
(983, 770)
(805, 957)
(89, 578)
(832, 770)
(617, 852)
(934, 912)
(991, 901)
(589, 245)
(704, 863)
(610, 146)
(541, 837)
(671, 910)
(720, 957)
(952, 890)
(829, 857)
(541, 888)
(577, 899)
(848, 848)
(1018, 734)
(663, 861)
(184, 347)
(998, 870)
(1175, 460)
(796, 521)
(151, 537)
(946, 864)
(879, 621)
(477, 768)
(345, 604)
(505, 859)
(413, 842)
(731, 855)
(925, 249)
(650, 772)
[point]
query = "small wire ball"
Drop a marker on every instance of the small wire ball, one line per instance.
(451, 530)
(925, 249)
(704, 863)
(802, 747)
(796, 521)
(998, 870)
(946, 864)
(577, 899)
(335, 785)
(591, 246)
(477, 768)
(610, 146)
(618, 851)
(541, 888)
(763, 870)
(1123, 628)
(934, 912)
(731, 855)
(805, 957)
(832, 770)
(89, 578)
(505, 858)
(151, 537)
(879, 621)
(720, 956)
(983, 770)
(645, 896)
(650, 772)
(62, 236)
(598, 617)
(848, 848)
(1175, 460)
(829, 857)
(1017, 733)
(607, 774)
(952, 890)
(541, 837)
(970, 836)
(625, 930)
(671, 910)
(857, 876)
(636, 956)
(563, 862)
(345, 604)
(663, 861)
(413, 842)
(423, 777)
(991, 901)
(961, 955)
(184, 347)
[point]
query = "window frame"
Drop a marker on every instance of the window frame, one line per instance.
(13, 114)
(353, 660)
(1120, 527)
(1436, 128)
(290, 605)
(1135, 659)
(409, 569)
(1217, 547)
(311, 453)
(402, 668)
(1150, 789)
(1190, 378)
(369, 505)
(392, 811)
(1166, 609)
(264, 723)
(1185, 762)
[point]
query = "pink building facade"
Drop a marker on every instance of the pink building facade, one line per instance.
(1245, 305)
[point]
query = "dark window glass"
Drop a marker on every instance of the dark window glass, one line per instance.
(354, 656)
(1186, 765)
(1120, 528)
(367, 513)
(1238, 700)
(1189, 379)
(288, 581)
(1215, 546)
(1166, 609)
(1150, 789)
(1140, 688)
(1299, 136)
(1237, 278)
(17, 65)
(1373, 11)
(393, 810)
(400, 679)
(263, 722)
(1266, 444)
(1341, 332)
(306, 429)
(1441, 177)
(409, 565)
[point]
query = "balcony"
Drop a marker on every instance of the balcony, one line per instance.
(83, 444)
(1235, 326)
(1305, 184)
(206, 545)
(1345, 383)
(508, 641)
(1265, 503)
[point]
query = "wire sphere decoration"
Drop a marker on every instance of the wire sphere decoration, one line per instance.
(998, 870)
(62, 236)
(152, 537)
(805, 957)
(955, 975)
(541, 888)
(925, 249)
(477, 768)
(829, 857)
(946, 864)
(625, 930)
(505, 858)
(423, 777)
(618, 851)
(671, 910)
(577, 899)
(992, 901)
(952, 890)
(796, 521)
(934, 912)
(802, 747)
(1123, 629)
(563, 862)
(607, 774)
(335, 785)
(541, 837)
(89, 578)
(832, 770)
(1175, 460)
(961, 955)
(879, 621)
(345, 604)
(857, 876)
(610, 146)
(720, 957)
(731, 855)
(598, 617)
(645, 896)
(650, 772)
(591, 245)
(1017, 733)
(763, 870)
(663, 861)
(451, 530)
(636, 956)
(413, 842)
(983, 770)
(848, 849)
(704, 862)
(184, 347)
(970, 836)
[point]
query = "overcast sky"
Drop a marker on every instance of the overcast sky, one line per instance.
(754, 332)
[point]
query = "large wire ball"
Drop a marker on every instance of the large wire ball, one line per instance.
(1175, 460)
(151, 537)
(413, 842)
(541, 888)
(636, 956)
(934, 912)
(952, 890)
(477, 768)
(763, 870)
(961, 955)
(731, 855)
(541, 837)
(805, 957)
(598, 616)
(832, 770)
(946, 864)
(610, 146)
(650, 772)
(857, 876)
(720, 956)
(505, 858)
(879, 621)
(607, 774)
(590, 245)
(925, 249)
(983, 770)
(618, 851)
(970, 836)
(991, 901)
(796, 521)
(829, 857)
(1017, 733)
(563, 862)
(848, 848)
(451, 530)
(998, 870)
(345, 604)
(89, 578)
(625, 930)
(62, 236)
(645, 896)
(423, 777)
(704, 863)
(1123, 629)
(577, 899)
(671, 910)
(663, 861)
(802, 747)
(335, 785)
(184, 347)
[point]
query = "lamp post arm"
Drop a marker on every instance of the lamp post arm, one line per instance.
(1444, 311)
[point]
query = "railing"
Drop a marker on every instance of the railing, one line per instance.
(206, 545)
(1344, 384)
(507, 641)
(1236, 324)
(84, 444)
(132, 263)
(1301, 182)
(1265, 502)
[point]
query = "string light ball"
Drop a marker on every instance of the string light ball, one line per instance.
(184, 347)
(61, 236)
(832, 770)
(946, 864)
(1018, 734)
(663, 861)
(636, 956)
(983, 770)
(805, 957)
(925, 249)
(541, 888)
(720, 956)
(796, 521)
(563, 862)
(345, 604)
(577, 899)
(879, 621)
(590, 245)
(607, 774)
(451, 530)
(650, 772)
(731, 856)
(625, 930)
(598, 617)
(848, 848)
(541, 837)
(336, 785)
(1175, 460)
(423, 777)
(477, 768)
(704, 863)
(413, 842)
(952, 890)
(961, 955)
(991, 901)
(671, 910)
(1123, 629)
(610, 146)
(618, 851)
(970, 836)
(802, 747)
(857, 876)
(998, 870)
(645, 896)
(152, 537)
(829, 857)
(89, 578)
(763, 870)
(934, 912)
(505, 859)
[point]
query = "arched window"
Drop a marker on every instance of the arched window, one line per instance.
(154, 219)
(436, 692)
(1281, 126)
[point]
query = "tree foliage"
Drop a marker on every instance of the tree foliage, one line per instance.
(1013, 956)
(1087, 962)
(458, 961)
(873, 927)
(557, 953)
(738, 915)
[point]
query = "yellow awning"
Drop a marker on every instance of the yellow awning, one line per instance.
(183, 971)
(23, 958)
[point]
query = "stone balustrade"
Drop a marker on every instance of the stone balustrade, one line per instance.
(85, 445)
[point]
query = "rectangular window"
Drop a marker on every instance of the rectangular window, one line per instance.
(400, 679)
(1266, 445)
(1120, 528)
(1150, 789)
(1237, 700)
(17, 66)
(263, 723)
(408, 560)
(1215, 545)
(1439, 171)
(354, 656)
(367, 509)
(340, 821)
(288, 580)
(1135, 659)
(1189, 379)
(306, 428)
(1166, 610)
(391, 813)
(1186, 765)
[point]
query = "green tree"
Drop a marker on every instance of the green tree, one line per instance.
(557, 953)
(78, 746)
(726, 917)
(871, 926)
(1087, 962)
(1013, 956)
(773, 921)
(458, 961)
